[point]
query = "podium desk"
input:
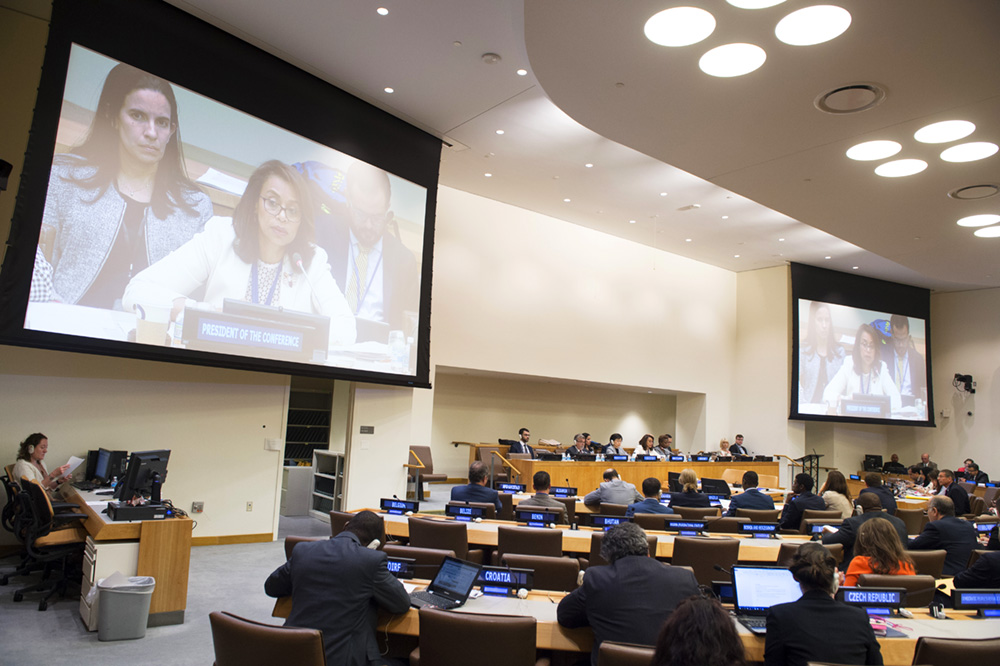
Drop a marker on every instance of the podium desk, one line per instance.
(164, 551)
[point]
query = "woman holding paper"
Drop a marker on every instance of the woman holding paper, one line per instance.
(31, 462)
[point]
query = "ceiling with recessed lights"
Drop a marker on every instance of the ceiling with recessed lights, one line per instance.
(746, 169)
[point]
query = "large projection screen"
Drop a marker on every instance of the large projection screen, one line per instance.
(174, 211)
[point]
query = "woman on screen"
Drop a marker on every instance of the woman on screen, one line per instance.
(121, 200)
(820, 356)
(263, 255)
(863, 373)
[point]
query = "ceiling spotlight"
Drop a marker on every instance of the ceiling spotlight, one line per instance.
(389, 90)
(900, 168)
(873, 150)
(491, 58)
(679, 26)
(687, 240)
(488, 175)
(663, 194)
(499, 131)
(736, 256)
(988, 232)
(944, 131)
(781, 240)
(382, 11)
(754, 4)
(589, 165)
(732, 60)
(631, 221)
(725, 217)
(854, 268)
(522, 72)
(970, 152)
(813, 25)
(566, 200)
(828, 257)
(979, 220)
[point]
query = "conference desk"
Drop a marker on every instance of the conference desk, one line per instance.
(164, 551)
(586, 475)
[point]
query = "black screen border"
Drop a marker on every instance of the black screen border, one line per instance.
(196, 55)
(821, 284)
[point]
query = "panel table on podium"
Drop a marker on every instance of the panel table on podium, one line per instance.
(587, 475)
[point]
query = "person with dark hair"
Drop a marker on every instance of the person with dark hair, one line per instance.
(878, 550)
(798, 500)
(944, 531)
(699, 633)
(737, 448)
(629, 599)
(751, 497)
(651, 503)
(579, 446)
(119, 201)
(906, 365)
(476, 490)
(863, 373)
(338, 585)
(984, 574)
(263, 255)
(974, 475)
(816, 627)
(613, 489)
(689, 495)
(645, 446)
(917, 476)
(847, 533)
(958, 494)
(541, 482)
(836, 495)
(664, 446)
(521, 445)
(614, 445)
(30, 463)
(820, 356)
(894, 466)
(873, 483)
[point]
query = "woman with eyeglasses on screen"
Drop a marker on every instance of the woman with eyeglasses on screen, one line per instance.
(863, 373)
(119, 201)
(263, 255)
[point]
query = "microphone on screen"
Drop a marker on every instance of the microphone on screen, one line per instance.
(297, 262)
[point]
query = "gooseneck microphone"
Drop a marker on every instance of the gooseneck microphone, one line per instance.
(719, 567)
(297, 262)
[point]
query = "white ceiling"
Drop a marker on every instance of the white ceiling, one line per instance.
(753, 148)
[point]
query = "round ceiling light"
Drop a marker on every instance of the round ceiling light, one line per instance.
(944, 131)
(679, 26)
(988, 232)
(973, 192)
(970, 152)
(984, 220)
(732, 60)
(754, 4)
(873, 150)
(813, 25)
(900, 168)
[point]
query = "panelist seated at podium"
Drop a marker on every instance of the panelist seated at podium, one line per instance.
(521, 444)
(476, 490)
(263, 255)
(579, 446)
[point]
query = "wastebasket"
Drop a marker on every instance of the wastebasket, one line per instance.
(124, 607)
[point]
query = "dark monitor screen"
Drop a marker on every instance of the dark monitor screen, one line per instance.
(102, 469)
(147, 470)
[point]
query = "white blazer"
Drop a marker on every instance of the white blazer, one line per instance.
(847, 382)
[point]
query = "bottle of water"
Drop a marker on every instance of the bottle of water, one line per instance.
(114, 482)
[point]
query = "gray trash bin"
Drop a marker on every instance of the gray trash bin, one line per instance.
(124, 609)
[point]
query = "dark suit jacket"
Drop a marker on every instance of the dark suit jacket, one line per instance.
(473, 492)
(520, 447)
(400, 277)
(955, 536)
(960, 497)
(791, 515)
(750, 499)
(689, 499)
(737, 450)
(918, 371)
(848, 533)
(985, 573)
(818, 628)
(647, 505)
(627, 601)
(336, 587)
(885, 496)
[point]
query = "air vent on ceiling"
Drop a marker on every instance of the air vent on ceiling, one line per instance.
(975, 192)
(853, 98)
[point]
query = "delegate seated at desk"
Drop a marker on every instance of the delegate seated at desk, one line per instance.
(689, 495)
(476, 490)
(541, 482)
(30, 463)
(800, 499)
(612, 490)
(651, 488)
(751, 497)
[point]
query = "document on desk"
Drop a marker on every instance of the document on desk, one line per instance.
(73, 463)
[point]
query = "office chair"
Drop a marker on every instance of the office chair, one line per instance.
(760, 515)
(497, 640)
(624, 654)
(919, 589)
(241, 642)
(928, 562)
(702, 554)
(444, 535)
(527, 541)
(964, 651)
(550, 573)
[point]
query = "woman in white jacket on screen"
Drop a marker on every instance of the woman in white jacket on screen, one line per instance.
(263, 255)
(863, 373)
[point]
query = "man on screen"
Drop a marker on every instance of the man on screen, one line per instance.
(906, 365)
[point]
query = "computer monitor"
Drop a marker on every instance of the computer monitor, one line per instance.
(145, 475)
(109, 465)
(873, 463)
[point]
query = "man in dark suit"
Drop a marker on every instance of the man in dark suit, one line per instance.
(337, 586)
(906, 366)
(521, 445)
(874, 482)
(944, 531)
(377, 273)
(975, 475)
(476, 490)
(800, 499)
(541, 482)
(651, 489)
(579, 446)
(629, 599)
(737, 448)
(751, 497)
(957, 493)
(984, 574)
(848, 531)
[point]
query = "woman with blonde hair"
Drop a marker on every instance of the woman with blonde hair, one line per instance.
(878, 550)
(689, 495)
(836, 495)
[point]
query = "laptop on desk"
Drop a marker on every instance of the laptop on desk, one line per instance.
(756, 589)
(450, 587)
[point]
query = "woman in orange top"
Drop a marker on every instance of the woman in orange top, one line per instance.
(878, 550)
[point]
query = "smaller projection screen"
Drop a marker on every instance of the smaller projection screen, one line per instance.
(860, 349)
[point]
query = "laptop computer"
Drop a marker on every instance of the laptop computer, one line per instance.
(756, 589)
(450, 587)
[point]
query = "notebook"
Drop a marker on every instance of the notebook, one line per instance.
(450, 587)
(756, 589)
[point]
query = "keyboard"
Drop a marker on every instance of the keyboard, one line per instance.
(423, 598)
(757, 625)
(85, 485)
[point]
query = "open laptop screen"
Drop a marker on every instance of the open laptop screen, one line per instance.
(455, 579)
(759, 588)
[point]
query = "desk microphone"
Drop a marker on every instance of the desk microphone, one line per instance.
(297, 262)
(719, 567)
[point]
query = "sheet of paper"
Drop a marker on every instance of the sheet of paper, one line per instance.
(411, 587)
(73, 462)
